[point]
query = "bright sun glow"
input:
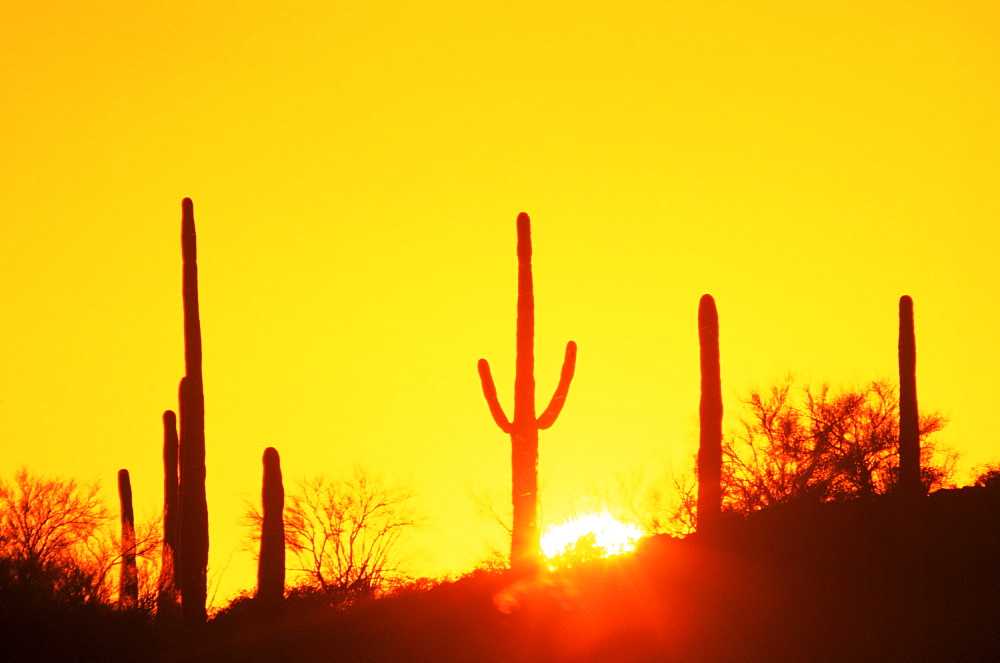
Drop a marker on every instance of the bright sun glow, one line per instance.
(610, 534)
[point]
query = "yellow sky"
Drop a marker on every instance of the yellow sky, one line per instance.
(357, 169)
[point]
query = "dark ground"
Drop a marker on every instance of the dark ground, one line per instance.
(836, 582)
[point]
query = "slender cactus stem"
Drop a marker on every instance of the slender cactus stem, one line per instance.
(710, 410)
(167, 599)
(128, 586)
(909, 425)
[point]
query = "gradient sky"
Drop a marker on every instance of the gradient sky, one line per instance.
(357, 169)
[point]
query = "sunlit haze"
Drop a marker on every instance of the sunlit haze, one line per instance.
(609, 534)
(356, 170)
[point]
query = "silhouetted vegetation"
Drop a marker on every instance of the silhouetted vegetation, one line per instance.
(344, 535)
(821, 445)
(48, 520)
(523, 429)
(710, 414)
(829, 531)
(59, 539)
(192, 551)
(271, 562)
(128, 585)
(58, 588)
(910, 479)
(988, 475)
(168, 598)
(659, 502)
(794, 582)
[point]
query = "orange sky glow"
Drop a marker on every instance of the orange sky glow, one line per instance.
(356, 170)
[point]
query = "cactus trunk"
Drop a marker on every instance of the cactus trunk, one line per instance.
(911, 601)
(166, 601)
(909, 425)
(128, 585)
(193, 544)
(525, 542)
(271, 563)
(710, 410)
(525, 547)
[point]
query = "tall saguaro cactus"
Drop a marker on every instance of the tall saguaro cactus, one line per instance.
(128, 585)
(271, 563)
(909, 425)
(166, 601)
(193, 546)
(710, 410)
(525, 543)
(911, 609)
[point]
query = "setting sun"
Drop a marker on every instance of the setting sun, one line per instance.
(609, 534)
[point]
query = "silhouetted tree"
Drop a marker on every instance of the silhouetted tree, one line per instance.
(45, 519)
(494, 508)
(525, 547)
(659, 502)
(828, 446)
(103, 556)
(988, 475)
(44, 526)
(344, 535)
(59, 544)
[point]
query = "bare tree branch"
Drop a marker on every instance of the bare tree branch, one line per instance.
(65, 528)
(824, 446)
(345, 534)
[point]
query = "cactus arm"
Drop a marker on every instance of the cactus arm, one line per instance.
(490, 392)
(559, 398)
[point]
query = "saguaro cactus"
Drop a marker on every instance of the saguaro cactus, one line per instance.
(128, 585)
(911, 601)
(523, 430)
(166, 601)
(710, 410)
(909, 426)
(271, 563)
(193, 548)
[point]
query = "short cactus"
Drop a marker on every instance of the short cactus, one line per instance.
(525, 544)
(128, 586)
(166, 601)
(271, 563)
(909, 425)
